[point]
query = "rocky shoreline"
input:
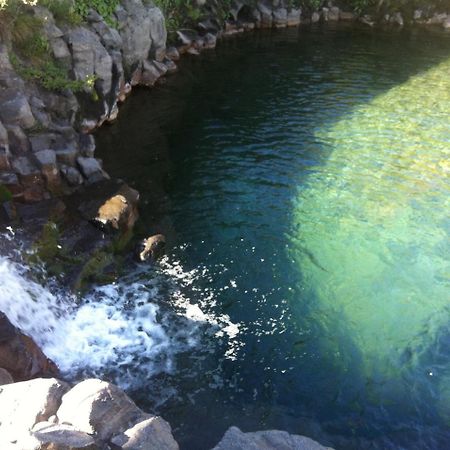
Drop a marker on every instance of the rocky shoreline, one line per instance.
(54, 182)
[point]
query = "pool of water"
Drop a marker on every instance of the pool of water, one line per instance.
(302, 176)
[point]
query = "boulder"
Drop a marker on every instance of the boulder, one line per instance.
(446, 23)
(315, 17)
(20, 355)
(25, 404)
(152, 248)
(235, 439)
(71, 175)
(15, 108)
(346, 16)
(97, 407)
(61, 437)
(151, 433)
(150, 74)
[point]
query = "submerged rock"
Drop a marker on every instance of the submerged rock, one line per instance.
(235, 439)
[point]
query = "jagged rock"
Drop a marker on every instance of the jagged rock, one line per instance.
(5, 377)
(20, 355)
(15, 108)
(90, 58)
(151, 248)
(109, 37)
(187, 37)
(25, 167)
(86, 145)
(151, 433)
(8, 179)
(235, 439)
(95, 406)
(170, 65)
(25, 404)
(61, 437)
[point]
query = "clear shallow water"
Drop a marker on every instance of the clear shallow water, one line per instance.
(303, 178)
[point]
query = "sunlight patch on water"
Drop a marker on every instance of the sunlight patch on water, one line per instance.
(372, 228)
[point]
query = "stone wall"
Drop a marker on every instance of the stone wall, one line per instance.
(46, 148)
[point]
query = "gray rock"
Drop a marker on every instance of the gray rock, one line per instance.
(87, 145)
(280, 17)
(170, 65)
(446, 23)
(4, 158)
(294, 17)
(397, 18)
(18, 140)
(210, 40)
(437, 19)
(67, 156)
(134, 28)
(418, 13)
(95, 406)
(71, 175)
(150, 74)
(8, 178)
(24, 166)
(61, 51)
(109, 37)
(90, 58)
(172, 53)
(15, 109)
(187, 37)
(333, 14)
(5, 377)
(151, 433)
(61, 436)
(25, 404)
(3, 135)
(235, 439)
(315, 17)
(43, 141)
(265, 10)
(90, 168)
(46, 158)
(158, 33)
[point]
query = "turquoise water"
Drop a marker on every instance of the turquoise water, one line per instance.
(303, 177)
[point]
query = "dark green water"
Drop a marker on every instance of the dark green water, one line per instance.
(303, 179)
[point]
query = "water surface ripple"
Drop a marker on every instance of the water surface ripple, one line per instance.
(305, 174)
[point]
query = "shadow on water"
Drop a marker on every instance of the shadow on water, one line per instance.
(220, 154)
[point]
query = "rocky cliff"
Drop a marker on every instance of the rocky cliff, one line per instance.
(46, 148)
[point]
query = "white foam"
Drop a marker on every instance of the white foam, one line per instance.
(127, 331)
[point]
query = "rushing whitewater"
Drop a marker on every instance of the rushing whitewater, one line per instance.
(128, 331)
(373, 234)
